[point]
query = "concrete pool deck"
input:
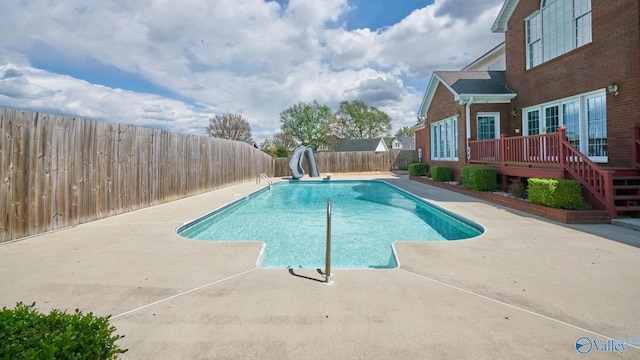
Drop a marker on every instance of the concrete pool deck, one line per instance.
(526, 289)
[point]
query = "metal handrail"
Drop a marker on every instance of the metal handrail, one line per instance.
(264, 176)
(327, 268)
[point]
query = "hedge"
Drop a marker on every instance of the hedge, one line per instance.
(479, 178)
(417, 169)
(440, 173)
(557, 193)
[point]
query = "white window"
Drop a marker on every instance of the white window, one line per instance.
(584, 116)
(444, 140)
(531, 125)
(488, 125)
(597, 126)
(582, 21)
(534, 41)
(557, 28)
(551, 119)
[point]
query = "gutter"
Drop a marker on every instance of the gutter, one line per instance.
(467, 115)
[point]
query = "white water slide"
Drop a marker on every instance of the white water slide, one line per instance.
(295, 164)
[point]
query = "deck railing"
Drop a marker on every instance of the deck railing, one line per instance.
(549, 150)
(541, 150)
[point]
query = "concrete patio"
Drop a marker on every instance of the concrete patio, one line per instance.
(526, 289)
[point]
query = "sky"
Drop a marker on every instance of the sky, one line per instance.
(175, 64)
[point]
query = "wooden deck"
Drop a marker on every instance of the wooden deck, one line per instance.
(546, 155)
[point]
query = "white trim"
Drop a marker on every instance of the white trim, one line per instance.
(496, 125)
(502, 21)
(449, 127)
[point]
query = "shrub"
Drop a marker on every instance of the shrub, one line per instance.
(27, 334)
(557, 193)
(479, 178)
(440, 173)
(417, 169)
(518, 189)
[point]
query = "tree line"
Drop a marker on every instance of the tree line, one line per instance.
(309, 124)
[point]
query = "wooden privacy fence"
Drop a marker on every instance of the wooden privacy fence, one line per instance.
(59, 171)
(352, 161)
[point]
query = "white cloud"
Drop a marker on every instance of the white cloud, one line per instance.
(246, 56)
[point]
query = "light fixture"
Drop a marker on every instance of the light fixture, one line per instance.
(613, 88)
(514, 112)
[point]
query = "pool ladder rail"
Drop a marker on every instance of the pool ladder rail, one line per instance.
(261, 176)
(327, 268)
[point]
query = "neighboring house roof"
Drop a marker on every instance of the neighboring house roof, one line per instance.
(500, 25)
(408, 142)
(481, 86)
(331, 143)
(252, 143)
(376, 145)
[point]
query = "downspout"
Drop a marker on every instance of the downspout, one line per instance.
(467, 116)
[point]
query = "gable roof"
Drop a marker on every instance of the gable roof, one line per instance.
(500, 25)
(362, 145)
(408, 142)
(482, 86)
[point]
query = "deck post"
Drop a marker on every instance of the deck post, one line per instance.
(502, 150)
(562, 136)
(635, 145)
(608, 193)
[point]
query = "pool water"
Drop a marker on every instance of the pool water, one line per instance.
(366, 218)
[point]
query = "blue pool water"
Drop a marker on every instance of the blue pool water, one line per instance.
(367, 217)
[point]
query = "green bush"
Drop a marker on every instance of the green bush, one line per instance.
(479, 178)
(417, 169)
(557, 193)
(28, 334)
(440, 173)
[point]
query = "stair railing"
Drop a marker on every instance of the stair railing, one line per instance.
(598, 182)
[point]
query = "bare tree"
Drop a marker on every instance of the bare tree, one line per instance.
(284, 139)
(229, 126)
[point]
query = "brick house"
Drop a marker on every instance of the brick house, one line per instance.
(564, 106)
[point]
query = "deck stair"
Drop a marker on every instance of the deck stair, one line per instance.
(626, 192)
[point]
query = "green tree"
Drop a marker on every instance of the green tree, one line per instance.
(406, 131)
(229, 126)
(356, 120)
(307, 123)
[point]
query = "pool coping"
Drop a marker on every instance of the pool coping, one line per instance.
(527, 288)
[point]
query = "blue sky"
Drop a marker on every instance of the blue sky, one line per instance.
(173, 66)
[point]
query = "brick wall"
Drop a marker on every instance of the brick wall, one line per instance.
(613, 55)
(444, 106)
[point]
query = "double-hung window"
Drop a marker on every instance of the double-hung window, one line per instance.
(557, 28)
(444, 140)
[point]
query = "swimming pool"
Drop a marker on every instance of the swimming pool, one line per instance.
(367, 217)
